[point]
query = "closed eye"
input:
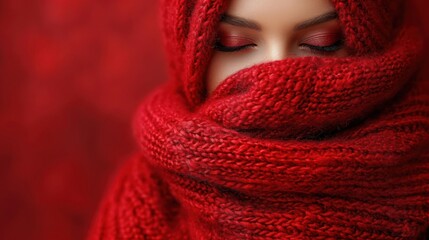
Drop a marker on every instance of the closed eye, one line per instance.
(324, 49)
(323, 42)
(226, 43)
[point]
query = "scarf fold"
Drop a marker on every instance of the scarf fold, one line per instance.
(302, 148)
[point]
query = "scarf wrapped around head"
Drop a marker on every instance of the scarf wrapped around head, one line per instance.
(302, 148)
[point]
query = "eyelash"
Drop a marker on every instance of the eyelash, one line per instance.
(325, 49)
(231, 49)
(318, 49)
(218, 46)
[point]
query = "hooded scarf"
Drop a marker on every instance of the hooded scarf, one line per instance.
(301, 148)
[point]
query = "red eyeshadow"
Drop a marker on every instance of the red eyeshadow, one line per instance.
(322, 39)
(234, 40)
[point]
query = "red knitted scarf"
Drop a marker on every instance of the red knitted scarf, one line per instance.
(302, 148)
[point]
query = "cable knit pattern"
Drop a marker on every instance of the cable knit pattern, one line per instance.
(302, 148)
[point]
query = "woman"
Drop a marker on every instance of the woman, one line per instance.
(283, 119)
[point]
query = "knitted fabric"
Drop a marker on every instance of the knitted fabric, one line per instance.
(302, 148)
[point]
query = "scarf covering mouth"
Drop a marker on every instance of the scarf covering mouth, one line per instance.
(302, 148)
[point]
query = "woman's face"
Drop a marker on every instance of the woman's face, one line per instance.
(256, 31)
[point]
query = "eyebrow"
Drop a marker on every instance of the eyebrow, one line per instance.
(317, 20)
(242, 22)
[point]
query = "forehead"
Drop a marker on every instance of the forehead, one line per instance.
(278, 13)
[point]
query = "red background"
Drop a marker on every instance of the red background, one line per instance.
(72, 75)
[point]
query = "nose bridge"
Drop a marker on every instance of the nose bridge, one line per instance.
(277, 48)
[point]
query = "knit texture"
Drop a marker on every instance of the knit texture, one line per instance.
(302, 148)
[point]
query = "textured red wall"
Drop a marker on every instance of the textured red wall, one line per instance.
(72, 74)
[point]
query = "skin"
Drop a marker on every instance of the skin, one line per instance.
(257, 31)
